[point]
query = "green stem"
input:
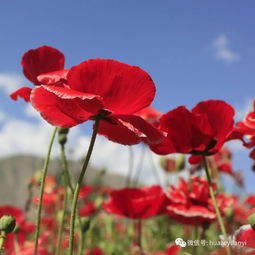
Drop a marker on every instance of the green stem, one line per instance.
(67, 177)
(78, 186)
(68, 183)
(131, 166)
(218, 214)
(44, 174)
(62, 224)
(2, 240)
(196, 237)
(140, 167)
(154, 168)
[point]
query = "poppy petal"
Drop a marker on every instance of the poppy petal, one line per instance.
(44, 59)
(186, 131)
(60, 112)
(120, 132)
(220, 115)
(125, 89)
(129, 129)
(53, 77)
(152, 134)
(23, 92)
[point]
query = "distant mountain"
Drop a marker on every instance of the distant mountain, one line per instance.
(15, 172)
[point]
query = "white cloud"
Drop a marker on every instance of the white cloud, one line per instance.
(2, 116)
(25, 137)
(9, 82)
(222, 50)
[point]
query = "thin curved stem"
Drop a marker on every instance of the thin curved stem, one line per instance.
(218, 214)
(68, 183)
(43, 177)
(62, 224)
(78, 186)
(154, 168)
(66, 173)
(131, 166)
(140, 166)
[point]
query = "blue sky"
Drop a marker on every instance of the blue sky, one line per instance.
(194, 50)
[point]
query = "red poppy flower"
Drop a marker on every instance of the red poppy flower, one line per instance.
(250, 200)
(243, 240)
(171, 249)
(101, 88)
(87, 209)
(85, 191)
(136, 203)
(38, 61)
(203, 130)
(190, 203)
(95, 251)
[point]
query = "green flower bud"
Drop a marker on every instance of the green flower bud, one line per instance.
(229, 214)
(62, 139)
(63, 131)
(251, 219)
(180, 162)
(62, 135)
(7, 224)
(85, 224)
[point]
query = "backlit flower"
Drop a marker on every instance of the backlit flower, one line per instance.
(104, 89)
(201, 131)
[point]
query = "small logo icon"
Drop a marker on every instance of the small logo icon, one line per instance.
(180, 242)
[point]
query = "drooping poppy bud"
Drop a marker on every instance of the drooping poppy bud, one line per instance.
(7, 224)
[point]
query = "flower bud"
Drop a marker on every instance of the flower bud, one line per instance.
(229, 212)
(85, 224)
(63, 131)
(62, 139)
(180, 162)
(7, 224)
(62, 135)
(251, 219)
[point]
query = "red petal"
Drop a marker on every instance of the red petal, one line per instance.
(129, 129)
(136, 203)
(60, 112)
(53, 77)
(220, 115)
(23, 92)
(173, 249)
(252, 154)
(195, 160)
(125, 89)
(193, 215)
(186, 131)
(163, 148)
(152, 135)
(44, 59)
(245, 234)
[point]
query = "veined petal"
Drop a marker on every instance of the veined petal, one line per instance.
(152, 134)
(44, 59)
(53, 78)
(129, 129)
(60, 112)
(220, 116)
(125, 89)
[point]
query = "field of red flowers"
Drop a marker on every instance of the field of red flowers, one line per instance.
(192, 216)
